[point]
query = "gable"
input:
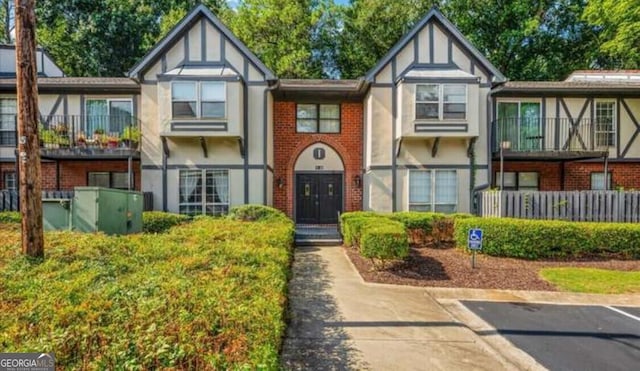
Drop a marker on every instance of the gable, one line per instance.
(434, 42)
(201, 39)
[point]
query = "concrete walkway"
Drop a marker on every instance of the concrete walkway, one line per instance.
(338, 322)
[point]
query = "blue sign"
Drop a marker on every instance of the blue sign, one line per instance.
(474, 242)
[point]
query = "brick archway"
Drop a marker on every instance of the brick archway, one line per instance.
(289, 145)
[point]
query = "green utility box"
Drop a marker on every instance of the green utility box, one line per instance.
(111, 211)
(56, 214)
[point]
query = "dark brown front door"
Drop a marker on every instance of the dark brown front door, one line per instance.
(318, 198)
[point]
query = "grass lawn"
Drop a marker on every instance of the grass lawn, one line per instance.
(210, 294)
(597, 281)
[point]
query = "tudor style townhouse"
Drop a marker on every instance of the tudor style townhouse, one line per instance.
(430, 124)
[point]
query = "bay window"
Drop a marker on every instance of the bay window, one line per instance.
(192, 99)
(441, 102)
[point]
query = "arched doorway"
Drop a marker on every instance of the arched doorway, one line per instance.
(319, 185)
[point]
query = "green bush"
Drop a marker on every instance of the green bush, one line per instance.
(10, 217)
(210, 294)
(536, 239)
(159, 221)
(352, 224)
(417, 220)
(249, 213)
(385, 241)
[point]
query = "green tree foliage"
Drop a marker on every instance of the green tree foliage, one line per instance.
(6, 20)
(103, 37)
(280, 33)
(526, 39)
(618, 26)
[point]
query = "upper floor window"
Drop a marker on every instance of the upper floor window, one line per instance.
(10, 181)
(441, 101)
(605, 128)
(205, 99)
(318, 118)
(8, 122)
(108, 115)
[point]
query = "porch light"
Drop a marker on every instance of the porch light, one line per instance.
(357, 181)
(505, 145)
(280, 182)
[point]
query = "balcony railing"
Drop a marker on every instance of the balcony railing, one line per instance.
(552, 135)
(81, 134)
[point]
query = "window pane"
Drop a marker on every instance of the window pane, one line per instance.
(10, 182)
(455, 93)
(329, 111)
(119, 116)
(307, 111)
(454, 111)
(183, 91)
(597, 181)
(416, 207)
(213, 110)
(329, 126)
(307, 126)
(605, 124)
(509, 180)
(528, 180)
(213, 91)
(96, 179)
(446, 187)
(420, 187)
(184, 109)
(427, 110)
(191, 187)
(217, 186)
(427, 93)
(120, 180)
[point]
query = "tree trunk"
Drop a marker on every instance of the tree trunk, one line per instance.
(28, 146)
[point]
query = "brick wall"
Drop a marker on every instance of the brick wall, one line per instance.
(577, 175)
(288, 145)
(74, 173)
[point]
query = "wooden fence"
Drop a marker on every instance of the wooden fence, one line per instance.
(586, 206)
(9, 200)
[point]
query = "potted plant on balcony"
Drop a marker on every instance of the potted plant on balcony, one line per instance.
(81, 141)
(112, 141)
(130, 137)
(48, 139)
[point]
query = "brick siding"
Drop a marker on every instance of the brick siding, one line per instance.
(74, 173)
(288, 145)
(577, 175)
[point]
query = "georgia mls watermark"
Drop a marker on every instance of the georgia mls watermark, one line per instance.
(27, 362)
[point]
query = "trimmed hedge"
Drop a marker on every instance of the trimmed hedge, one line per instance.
(352, 224)
(10, 217)
(159, 221)
(250, 213)
(377, 236)
(417, 220)
(536, 239)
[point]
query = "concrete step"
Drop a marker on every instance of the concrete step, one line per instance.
(318, 242)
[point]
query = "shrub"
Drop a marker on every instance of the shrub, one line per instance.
(384, 241)
(10, 217)
(535, 239)
(352, 225)
(210, 294)
(249, 213)
(419, 225)
(159, 221)
(444, 228)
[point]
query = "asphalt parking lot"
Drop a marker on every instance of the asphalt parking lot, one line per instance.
(567, 337)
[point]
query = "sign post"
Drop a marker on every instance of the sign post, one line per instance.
(474, 243)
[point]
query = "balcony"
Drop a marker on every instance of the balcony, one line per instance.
(551, 138)
(80, 136)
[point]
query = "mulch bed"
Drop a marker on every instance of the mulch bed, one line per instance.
(447, 266)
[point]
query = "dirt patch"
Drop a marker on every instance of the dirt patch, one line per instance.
(451, 267)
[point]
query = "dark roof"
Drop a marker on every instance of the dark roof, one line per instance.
(434, 13)
(568, 87)
(78, 84)
(182, 27)
(318, 91)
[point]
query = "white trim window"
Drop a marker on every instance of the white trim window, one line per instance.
(8, 122)
(598, 182)
(605, 123)
(10, 181)
(441, 102)
(193, 99)
(433, 190)
(204, 192)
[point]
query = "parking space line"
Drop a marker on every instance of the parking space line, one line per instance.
(622, 312)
